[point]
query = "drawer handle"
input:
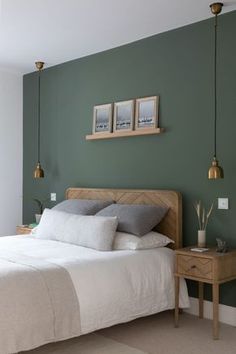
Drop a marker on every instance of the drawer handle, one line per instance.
(192, 267)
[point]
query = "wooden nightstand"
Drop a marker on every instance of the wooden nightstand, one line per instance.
(206, 267)
(23, 229)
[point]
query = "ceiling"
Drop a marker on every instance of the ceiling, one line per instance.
(56, 31)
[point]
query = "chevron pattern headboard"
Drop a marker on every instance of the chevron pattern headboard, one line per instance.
(171, 225)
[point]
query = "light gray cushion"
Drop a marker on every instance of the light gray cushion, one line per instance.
(83, 230)
(135, 219)
(82, 206)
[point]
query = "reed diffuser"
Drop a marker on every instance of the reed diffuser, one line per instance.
(203, 218)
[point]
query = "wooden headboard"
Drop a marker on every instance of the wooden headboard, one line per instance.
(171, 225)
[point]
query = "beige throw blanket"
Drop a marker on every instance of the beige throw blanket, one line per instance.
(38, 303)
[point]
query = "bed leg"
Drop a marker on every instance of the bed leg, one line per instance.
(176, 301)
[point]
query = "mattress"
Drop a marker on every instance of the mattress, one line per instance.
(111, 287)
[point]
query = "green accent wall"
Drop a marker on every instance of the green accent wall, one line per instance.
(178, 66)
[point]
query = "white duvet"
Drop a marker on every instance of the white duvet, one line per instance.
(112, 287)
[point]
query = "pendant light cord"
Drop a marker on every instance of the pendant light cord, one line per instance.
(215, 85)
(39, 104)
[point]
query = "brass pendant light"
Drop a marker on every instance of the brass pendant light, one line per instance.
(215, 171)
(38, 172)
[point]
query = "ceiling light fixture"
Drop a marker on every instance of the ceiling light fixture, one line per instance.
(38, 172)
(215, 171)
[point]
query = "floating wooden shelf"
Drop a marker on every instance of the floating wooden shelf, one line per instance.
(123, 134)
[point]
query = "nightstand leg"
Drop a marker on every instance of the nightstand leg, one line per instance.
(176, 301)
(200, 298)
(215, 311)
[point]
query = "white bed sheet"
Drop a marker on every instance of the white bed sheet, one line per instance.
(112, 287)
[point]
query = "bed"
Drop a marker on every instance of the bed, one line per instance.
(52, 290)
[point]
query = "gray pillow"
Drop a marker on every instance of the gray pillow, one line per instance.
(82, 206)
(135, 219)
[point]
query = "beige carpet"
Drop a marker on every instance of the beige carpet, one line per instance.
(90, 344)
(151, 335)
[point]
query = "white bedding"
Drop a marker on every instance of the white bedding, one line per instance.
(112, 287)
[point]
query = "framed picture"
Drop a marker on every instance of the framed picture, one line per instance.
(146, 112)
(123, 116)
(102, 118)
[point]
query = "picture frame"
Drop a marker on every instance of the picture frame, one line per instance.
(102, 118)
(146, 112)
(123, 116)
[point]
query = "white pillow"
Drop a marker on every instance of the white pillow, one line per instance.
(125, 241)
(84, 230)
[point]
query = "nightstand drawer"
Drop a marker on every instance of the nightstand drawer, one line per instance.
(195, 266)
(23, 230)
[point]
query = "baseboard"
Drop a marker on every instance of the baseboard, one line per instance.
(227, 314)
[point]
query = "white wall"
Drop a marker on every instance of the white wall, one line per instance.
(11, 151)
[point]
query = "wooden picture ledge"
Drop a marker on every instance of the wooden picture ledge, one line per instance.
(123, 134)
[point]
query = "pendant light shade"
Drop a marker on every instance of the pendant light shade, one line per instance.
(215, 171)
(38, 172)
